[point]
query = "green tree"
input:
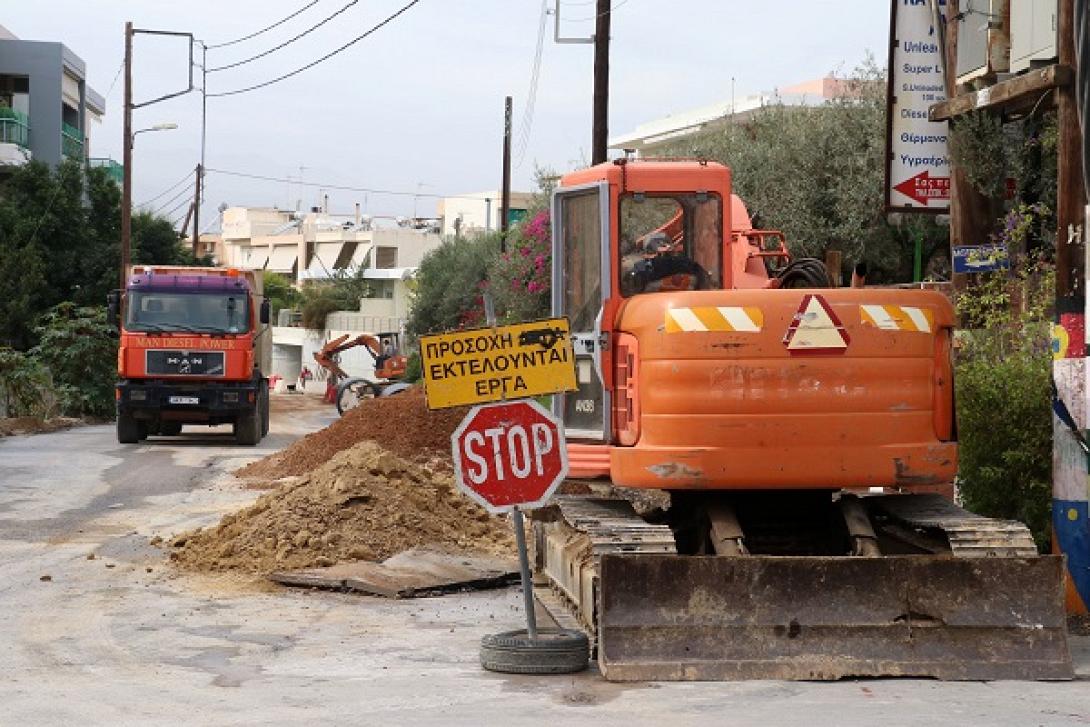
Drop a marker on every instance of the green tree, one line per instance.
(79, 349)
(59, 241)
(449, 285)
(817, 173)
(280, 292)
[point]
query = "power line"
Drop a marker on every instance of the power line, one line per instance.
(265, 29)
(326, 57)
(289, 41)
(183, 191)
(182, 203)
(171, 188)
(531, 96)
(116, 76)
(338, 187)
(598, 15)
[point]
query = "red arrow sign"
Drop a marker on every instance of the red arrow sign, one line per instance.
(923, 188)
(509, 454)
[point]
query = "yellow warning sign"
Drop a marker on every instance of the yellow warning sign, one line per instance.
(493, 364)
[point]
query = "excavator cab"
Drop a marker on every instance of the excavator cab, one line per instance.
(765, 462)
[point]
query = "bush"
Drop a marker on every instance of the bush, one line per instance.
(24, 386)
(79, 349)
(1003, 378)
(519, 279)
(450, 283)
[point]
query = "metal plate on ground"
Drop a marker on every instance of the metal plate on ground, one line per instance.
(409, 574)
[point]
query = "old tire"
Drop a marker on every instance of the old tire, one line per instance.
(353, 391)
(128, 429)
(554, 651)
(170, 429)
(248, 427)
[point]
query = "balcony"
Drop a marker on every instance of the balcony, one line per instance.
(14, 127)
(114, 170)
(71, 141)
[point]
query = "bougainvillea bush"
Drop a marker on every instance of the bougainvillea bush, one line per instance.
(519, 277)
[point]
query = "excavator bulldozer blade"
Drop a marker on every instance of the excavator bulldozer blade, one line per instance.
(669, 617)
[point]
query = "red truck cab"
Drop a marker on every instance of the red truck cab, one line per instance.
(194, 349)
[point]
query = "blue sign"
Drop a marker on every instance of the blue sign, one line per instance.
(980, 258)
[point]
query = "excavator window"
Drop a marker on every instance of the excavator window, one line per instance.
(670, 242)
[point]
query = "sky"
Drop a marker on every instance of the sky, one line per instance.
(417, 106)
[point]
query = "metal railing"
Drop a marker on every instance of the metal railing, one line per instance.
(14, 127)
(114, 170)
(71, 141)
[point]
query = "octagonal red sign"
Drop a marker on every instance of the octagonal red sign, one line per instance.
(509, 454)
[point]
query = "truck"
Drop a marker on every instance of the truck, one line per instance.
(195, 348)
(762, 466)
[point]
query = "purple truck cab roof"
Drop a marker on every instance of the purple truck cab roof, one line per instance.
(188, 283)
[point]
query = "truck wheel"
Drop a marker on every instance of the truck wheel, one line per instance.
(248, 427)
(170, 429)
(128, 429)
(554, 651)
(264, 409)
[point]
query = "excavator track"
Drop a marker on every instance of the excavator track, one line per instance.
(981, 605)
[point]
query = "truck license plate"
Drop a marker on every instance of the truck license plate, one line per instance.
(185, 400)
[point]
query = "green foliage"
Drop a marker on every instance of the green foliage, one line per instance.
(24, 386)
(79, 349)
(59, 241)
(280, 292)
(817, 174)
(1003, 378)
(519, 279)
(449, 285)
(155, 242)
(341, 292)
(413, 368)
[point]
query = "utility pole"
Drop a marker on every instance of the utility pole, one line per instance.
(600, 132)
(197, 210)
(126, 161)
(505, 201)
(1070, 184)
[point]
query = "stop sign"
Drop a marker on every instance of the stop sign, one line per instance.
(509, 454)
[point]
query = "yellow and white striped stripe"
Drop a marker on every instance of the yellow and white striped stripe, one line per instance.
(721, 318)
(898, 318)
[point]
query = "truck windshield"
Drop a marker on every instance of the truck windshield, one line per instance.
(199, 312)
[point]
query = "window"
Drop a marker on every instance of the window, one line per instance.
(582, 259)
(199, 312)
(385, 257)
(671, 242)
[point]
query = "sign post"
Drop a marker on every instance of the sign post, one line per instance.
(918, 164)
(508, 456)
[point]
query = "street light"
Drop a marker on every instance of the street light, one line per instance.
(165, 126)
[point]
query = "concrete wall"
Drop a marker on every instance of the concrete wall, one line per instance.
(478, 212)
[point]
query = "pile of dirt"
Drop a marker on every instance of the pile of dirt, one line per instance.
(402, 424)
(12, 426)
(365, 503)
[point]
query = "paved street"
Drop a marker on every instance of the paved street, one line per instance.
(123, 639)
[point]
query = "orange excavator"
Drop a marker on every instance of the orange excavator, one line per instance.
(389, 369)
(762, 465)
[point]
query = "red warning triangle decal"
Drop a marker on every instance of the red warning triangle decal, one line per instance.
(815, 329)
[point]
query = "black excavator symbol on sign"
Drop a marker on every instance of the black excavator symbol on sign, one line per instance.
(545, 337)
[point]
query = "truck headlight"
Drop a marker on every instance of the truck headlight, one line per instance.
(137, 395)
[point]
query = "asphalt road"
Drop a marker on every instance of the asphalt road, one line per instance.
(120, 638)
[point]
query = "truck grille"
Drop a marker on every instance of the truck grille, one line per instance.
(185, 363)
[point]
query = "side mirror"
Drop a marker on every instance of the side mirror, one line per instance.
(265, 311)
(113, 308)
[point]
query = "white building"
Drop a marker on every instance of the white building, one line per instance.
(480, 212)
(654, 134)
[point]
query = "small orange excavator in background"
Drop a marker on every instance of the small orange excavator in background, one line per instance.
(346, 391)
(763, 464)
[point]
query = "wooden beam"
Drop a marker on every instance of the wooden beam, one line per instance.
(1011, 93)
